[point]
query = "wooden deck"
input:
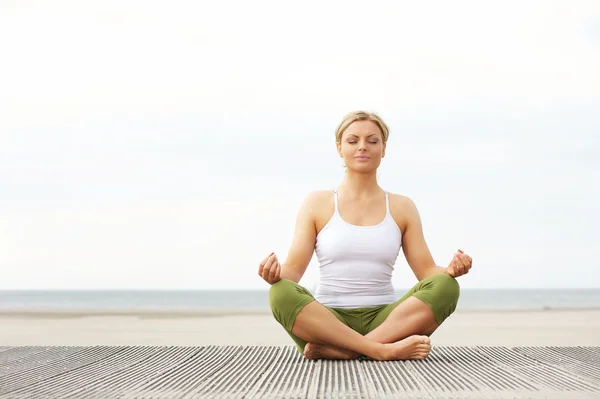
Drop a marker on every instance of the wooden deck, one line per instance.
(280, 372)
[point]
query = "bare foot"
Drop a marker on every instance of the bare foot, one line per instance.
(415, 347)
(320, 351)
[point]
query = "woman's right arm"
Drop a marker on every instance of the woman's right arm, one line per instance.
(303, 243)
(302, 247)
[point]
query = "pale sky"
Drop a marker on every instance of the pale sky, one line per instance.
(169, 144)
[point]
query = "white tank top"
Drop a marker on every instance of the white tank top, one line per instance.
(356, 262)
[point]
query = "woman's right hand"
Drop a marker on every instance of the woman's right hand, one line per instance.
(270, 269)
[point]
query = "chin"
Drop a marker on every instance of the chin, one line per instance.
(363, 168)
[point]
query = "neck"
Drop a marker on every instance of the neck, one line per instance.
(360, 184)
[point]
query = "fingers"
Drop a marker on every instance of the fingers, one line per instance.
(265, 268)
(462, 262)
(262, 264)
(466, 261)
(270, 269)
(278, 274)
(469, 263)
(456, 267)
(274, 270)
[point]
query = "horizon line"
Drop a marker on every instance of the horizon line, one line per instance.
(267, 289)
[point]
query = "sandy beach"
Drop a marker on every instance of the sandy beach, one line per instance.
(466, 328)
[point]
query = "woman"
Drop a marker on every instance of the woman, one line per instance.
(357, 231)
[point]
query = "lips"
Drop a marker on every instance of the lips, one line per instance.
(362, 158)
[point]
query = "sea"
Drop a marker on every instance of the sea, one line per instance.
(257, 300)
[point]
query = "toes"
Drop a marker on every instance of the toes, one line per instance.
(308, 351)
(311, 351)
(424, 351)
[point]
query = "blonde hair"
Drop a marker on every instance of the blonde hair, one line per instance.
(361, 116)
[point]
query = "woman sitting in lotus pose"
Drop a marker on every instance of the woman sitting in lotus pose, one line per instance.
(357, 231)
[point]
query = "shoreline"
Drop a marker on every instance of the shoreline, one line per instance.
(215, 312)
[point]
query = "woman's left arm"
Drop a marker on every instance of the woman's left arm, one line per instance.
(416, 250)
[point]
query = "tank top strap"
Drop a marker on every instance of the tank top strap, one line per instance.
(387, 203)
(335, 201)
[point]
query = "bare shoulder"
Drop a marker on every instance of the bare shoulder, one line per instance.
(316, 203)
(316, 200)
(403, 209)
(319, 207)
(319, 196)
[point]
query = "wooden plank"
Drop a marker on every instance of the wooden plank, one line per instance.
(281, 372)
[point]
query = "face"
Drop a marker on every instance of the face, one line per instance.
(362, 146)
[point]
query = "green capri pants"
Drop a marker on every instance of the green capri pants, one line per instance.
(286, 298)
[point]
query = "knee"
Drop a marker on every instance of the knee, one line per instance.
(441, 292)
(447, 287)
(279, 292)
(286, 293)
(286, 298)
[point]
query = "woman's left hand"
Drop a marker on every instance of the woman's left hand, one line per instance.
(460, 264)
